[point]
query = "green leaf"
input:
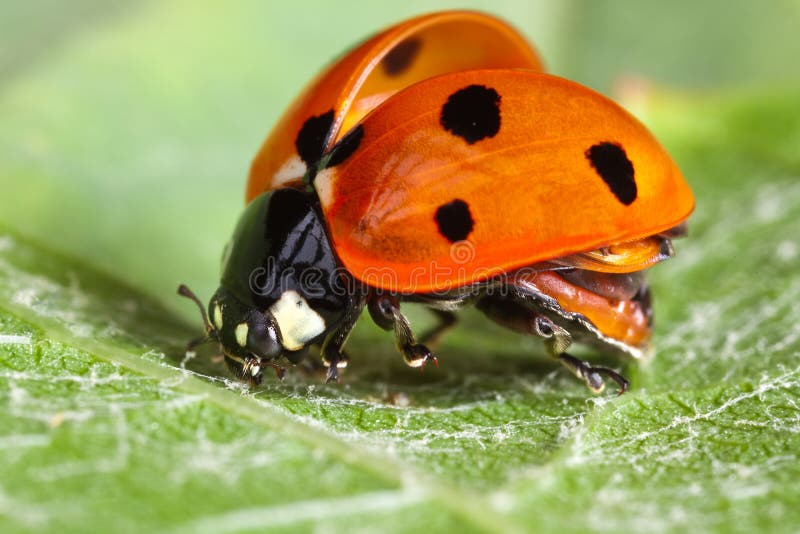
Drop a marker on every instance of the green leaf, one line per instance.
(122, 156)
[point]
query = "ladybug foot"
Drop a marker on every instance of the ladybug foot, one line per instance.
(334, 364)
(332, 376)
(419, 356)
(593, 376)
(280, 372)
(253, 371)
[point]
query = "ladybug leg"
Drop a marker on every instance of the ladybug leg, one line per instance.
(385, 311)
(311, 366)
(593, 375)
(246, 370)
(447, 320)
(519, 310)
(333, 355)
(558, 340)
(333, 363)
(251, 369)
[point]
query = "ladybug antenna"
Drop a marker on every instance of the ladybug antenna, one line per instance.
(186, 292)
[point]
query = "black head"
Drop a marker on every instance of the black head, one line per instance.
(282, 287)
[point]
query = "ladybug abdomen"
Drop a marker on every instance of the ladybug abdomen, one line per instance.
(625, 317)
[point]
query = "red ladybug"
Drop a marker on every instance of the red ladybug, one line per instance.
(435, 163)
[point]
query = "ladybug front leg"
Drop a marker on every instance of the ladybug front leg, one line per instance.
(333, 355)
(385, 311)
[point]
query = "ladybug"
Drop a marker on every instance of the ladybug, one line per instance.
(436, 163)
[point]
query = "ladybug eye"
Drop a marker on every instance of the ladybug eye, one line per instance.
(261, 338)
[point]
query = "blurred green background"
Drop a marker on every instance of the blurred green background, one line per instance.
(126, 133)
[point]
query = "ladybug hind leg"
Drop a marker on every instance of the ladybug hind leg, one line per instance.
(522, 311)
(557, 340)
(385, 311)
(447, 320)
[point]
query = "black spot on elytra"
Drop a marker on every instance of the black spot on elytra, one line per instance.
(346, 146)
(616, 170)
(472, 113)
(454, 220)
(399, 58)
(310, 140)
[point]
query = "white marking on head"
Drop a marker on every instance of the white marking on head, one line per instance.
(241, 334)
(297, 322)
(218, 316)
(292, 170)
(323, 185)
